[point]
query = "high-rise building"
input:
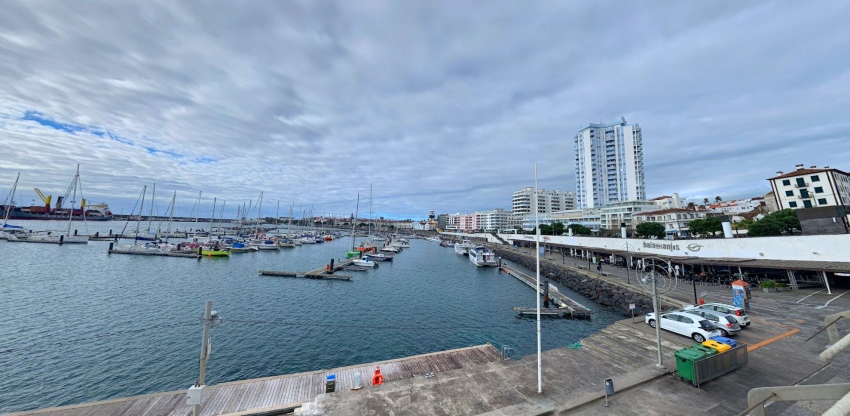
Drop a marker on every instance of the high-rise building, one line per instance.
(609, 164)
(547, 201)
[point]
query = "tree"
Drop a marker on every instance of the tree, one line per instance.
(777, 223)
(545, 229)
(558, 228)
(692, 206)
(579, 229)
(705, 226)
(741, 225)
(650, 229)
(718, 199)
(705, 201)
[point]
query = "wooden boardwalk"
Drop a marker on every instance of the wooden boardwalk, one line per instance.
(569, 307)
(279, 392)
(324, 276)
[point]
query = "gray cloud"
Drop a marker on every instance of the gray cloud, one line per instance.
(441, 106)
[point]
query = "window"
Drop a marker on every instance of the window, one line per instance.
(686, 320)
(818, 189)
(792, 204)
(807, 204)
(804, 193)
(815, 178)
(822, 201)
(801, 182)
(789, 193)
(786, 182)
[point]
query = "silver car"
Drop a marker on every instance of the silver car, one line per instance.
(727, 324)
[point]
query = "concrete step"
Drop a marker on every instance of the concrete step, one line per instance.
(669, 340)
(604, 351)
(629, 351)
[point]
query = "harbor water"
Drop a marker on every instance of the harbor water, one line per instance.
(81, 325)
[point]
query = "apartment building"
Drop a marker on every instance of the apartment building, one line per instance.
(609, 164)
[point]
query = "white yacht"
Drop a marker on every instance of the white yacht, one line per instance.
(482, 256)
(365, 262)
(463, 247)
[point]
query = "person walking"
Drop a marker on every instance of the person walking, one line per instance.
(599, 267)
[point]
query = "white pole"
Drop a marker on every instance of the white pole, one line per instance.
(537, 251)
(654, 275)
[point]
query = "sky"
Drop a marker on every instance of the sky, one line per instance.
(443, 106)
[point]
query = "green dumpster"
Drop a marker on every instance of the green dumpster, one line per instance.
(707, 351)
(685, 363)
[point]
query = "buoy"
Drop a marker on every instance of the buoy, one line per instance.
(327, 267)
(378, 378)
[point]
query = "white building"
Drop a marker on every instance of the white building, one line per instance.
(494, 220)
(613, 215)
(609, 164)
(810, 188)
(586, 217)
(674, 220)
(668, 201)
(547, 201)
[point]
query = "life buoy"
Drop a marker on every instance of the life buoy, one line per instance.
(327, 267)
(378, 378)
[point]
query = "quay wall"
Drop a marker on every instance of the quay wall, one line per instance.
(612, 296)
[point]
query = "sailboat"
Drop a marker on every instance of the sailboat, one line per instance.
(351, 252)
(66, 237)
(8, 231)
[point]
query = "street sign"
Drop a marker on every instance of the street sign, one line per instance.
(631, 306)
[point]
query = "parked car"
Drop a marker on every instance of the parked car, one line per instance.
(686, 324)
(727, 323)
(739, 313)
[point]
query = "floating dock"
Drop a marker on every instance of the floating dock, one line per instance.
(280, 394)
(567, 308)
(320, 273)
(325, 276)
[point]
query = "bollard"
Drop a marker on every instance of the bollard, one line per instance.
(110, 248)
(357, 385)
(609, 390)
(546, 293)
(75, 232)
(331, 271)
(61, 239)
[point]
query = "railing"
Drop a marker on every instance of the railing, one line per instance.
(801, 185)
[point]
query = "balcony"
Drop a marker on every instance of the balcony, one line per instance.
(801, 185)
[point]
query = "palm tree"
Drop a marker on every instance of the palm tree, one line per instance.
(692, 206)
(705, 201)
(718, 199)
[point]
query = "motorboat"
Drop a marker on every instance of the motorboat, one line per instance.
(365, 262)
(463, 247)
(482, 256)
(381, 257)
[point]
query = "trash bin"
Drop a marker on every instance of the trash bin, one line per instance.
(685, 359)
(728, 341)
(719, 346)
(330, 383)
(706, 351)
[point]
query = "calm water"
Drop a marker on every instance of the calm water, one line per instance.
(80, 325)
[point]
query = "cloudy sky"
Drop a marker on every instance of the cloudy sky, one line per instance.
(441, 105)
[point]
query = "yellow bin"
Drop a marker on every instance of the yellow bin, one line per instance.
(719, 346)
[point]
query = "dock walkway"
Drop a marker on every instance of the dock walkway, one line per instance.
(280, 392)
(566, 306)
(320, 273)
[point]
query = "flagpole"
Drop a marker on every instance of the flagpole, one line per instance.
(537, 251)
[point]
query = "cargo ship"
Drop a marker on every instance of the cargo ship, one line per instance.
(93, 212)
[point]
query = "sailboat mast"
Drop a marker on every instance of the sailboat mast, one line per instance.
(221, 217)
(171, 215)
(141, 208)
(73, 200)
(150, 215)
(259, 213)
(276, 216)
(354, 222)
(213, 214)
(11, 200)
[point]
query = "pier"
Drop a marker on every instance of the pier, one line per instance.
(152, 252)
(324, 273)
(567, 308)
(282, 393)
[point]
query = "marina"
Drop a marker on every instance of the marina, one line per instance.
(448, 302)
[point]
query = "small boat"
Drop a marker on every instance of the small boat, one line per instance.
(242, 248)
(268, 245)
(482, 256)
(365, 262)
(391, 249)
(213, 252)
(381, 257)
(463, 247)
(433, 239)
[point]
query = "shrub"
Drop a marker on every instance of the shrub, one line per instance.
(768, 284)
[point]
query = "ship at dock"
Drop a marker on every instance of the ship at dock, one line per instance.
(87, 212)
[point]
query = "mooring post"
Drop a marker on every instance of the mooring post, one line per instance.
(331, 270)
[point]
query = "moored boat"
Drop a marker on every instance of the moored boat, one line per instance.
(482, 256)
(463, 247)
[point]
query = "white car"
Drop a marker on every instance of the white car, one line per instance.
(728, 324)
(698, 328)
(739, 313)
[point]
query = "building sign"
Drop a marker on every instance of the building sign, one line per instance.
(661, 246)
(632, 306)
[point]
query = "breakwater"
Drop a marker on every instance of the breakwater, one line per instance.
(615, 297)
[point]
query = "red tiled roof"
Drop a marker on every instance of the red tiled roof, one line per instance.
(661, 197)
(664, 211)
(799, 172)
